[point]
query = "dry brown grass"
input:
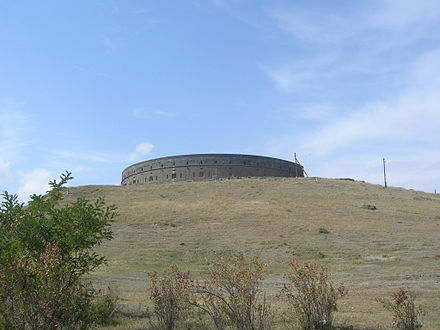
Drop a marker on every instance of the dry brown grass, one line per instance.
(374, 252)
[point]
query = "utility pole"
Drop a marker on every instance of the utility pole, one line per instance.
(384, 173)
(296, 168)
(297, 161)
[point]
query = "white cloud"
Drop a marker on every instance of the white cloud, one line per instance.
(403, 130)
(301, 74)
(34, 182)
(412, 118)
(396, 116)
(142, 149)
(14, 137)
(406, 13)
(312, 27)
(143, 113)
(13, 127)
(5, 170)
(325, 27)
(89, 156)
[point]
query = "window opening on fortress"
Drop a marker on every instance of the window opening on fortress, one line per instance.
(180, 174)
(167, 176)
(201, 174)
(156, 177)
(150, 178)
(173, 176)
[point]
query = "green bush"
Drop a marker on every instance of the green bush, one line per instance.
(45, 249)
(105, 307)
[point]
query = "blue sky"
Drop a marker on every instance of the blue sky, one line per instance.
(93, 86)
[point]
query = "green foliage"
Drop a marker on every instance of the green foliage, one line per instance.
(406, 316)
(105, 307)
(311, 296)
(45, 249)
(170, 296)
(233, 295)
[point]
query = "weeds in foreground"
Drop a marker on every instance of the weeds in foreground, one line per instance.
(406, 315)
(170, 296)
(311, 296)
(105, 307)
(233, 296)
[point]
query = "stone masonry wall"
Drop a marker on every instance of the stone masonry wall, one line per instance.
(202, 167)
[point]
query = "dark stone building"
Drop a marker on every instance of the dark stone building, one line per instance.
(202, 167)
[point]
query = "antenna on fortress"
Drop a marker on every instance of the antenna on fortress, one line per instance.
(297, 161)
(384, 174)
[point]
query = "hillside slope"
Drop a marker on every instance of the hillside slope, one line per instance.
(374, 252)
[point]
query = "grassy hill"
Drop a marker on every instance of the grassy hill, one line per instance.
(374, 252)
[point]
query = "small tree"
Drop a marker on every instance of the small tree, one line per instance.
(406, 316)
(233, 295)
(45, 249)
(311, 296)
(170, 296)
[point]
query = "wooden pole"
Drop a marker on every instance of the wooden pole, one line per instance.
(296, 166)
(384, 173)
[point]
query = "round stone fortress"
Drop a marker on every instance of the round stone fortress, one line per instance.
(202, 167)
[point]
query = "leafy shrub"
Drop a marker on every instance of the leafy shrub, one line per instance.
(105, 307)
(45, 249)
(233, 295)
(170, 296)
(406, 316)
(311, 296)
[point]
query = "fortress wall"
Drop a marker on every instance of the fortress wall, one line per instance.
(204, 167)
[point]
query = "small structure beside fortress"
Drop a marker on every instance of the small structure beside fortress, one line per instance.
(203, 167)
